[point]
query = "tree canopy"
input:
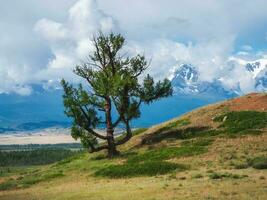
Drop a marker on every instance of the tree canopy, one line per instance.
(112, 82)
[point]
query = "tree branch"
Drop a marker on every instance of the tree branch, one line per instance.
(128, 135)
(89, 129)
(95, 149)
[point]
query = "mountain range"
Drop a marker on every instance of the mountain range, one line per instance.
(185, 80)
(44, 107)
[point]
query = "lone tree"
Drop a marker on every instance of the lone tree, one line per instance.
(111, 83)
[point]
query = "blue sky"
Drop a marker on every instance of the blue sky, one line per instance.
(41, 41)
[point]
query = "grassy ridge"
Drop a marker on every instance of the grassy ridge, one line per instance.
(177, 152)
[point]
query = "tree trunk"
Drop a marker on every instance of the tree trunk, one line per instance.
(112, 151)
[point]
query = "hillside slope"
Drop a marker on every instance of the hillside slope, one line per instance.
(215, 152)
(203, 118)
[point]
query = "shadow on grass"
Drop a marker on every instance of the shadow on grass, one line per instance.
(187, 133)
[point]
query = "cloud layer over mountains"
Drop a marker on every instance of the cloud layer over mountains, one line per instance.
(40, 42)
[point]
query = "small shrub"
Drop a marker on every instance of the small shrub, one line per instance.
(196, 176)
(167, 153)
(240, 165)
(8, 185)
(150, 168)
(258, 162)
(243, 122)
(210, 171)
(198, 142)
(216, 175)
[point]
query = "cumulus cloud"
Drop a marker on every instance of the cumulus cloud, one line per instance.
(70, 40)
(170, 33)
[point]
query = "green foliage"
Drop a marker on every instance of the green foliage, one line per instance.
(243, 121)
(167, 153)
(198, 142)
(185, 133)
(113, 83)
(188, 148)
(153, 162)
(8, 185)
(17, 147)
(196, 176)
(258, 162)
(34, 157)
(240, 165)
(150, 168)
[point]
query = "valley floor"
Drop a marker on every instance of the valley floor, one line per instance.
(145, 188)
(207, 178)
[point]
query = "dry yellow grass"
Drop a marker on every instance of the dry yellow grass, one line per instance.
(178, 185)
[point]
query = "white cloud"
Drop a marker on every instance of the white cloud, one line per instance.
(70, 40)
(46, 40)
(211, 46)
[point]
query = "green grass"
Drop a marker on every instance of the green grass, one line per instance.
(175, 124)
(149, 168)
(188, 148)
(153, 162)
(29, 179)
(243, 122)
(236, 123)
(186, 133)
(259, 162)
(167, 153)
(11, 184)
(135, 132)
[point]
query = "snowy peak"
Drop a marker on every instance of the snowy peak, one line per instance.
(186, 74)
(251, 67)
(185, 79)
(256, 67)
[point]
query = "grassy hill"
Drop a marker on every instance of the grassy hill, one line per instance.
(215, 152)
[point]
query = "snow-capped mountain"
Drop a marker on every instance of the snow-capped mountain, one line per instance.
(259, 72)
(185, 79)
